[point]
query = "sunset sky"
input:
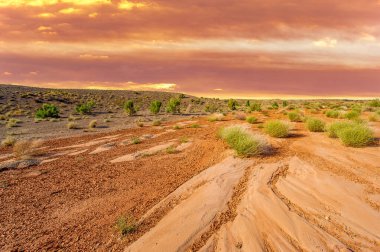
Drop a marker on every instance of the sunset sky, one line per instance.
(215, 48)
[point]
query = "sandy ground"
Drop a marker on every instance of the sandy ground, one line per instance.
(310, 194)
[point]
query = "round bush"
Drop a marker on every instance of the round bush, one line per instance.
(357, 136)
(243, 142)
(315, 125)
(333, 128)
(332, 113)
(277, 128)
(352, 115)
(294, 117)
(251, 119)
(47, 110)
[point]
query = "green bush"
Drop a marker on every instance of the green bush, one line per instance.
(251, 119)
(85, 108)
(352, 115)
(155, 107)
(243, 142)
(284, 103)
(332, 113)
(47, 110)
(275, 105)
(129, 107)
(255, 107)
(315, 125)
(333, 128)
(277, 128)
(126, 225)
(232, 104)
(294, 117)
(173, 106)
(374, 103)
(356, 136)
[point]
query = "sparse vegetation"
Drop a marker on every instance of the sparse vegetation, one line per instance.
(332, 113)
(129, 108)
(93, 124)
(171, 150)
(255, 107)
(126, 225)
(277, 128)
(294, 117)
(155, 107)
(174, 106)
(243, 142)
(47, 111)
(135, 140)
(232, 104)
(194, 125)
(356, 136)
(25, 149)
(315, 125)
(177, 127)
(8, 141)
(352, 115)
(72, 125)
(12, 122)
(156, 123)
(251, 119)
(240, 116)
(216, 117)
(374, 103)
(333, 128)
(86, 108)
(140, 124)
(373, 118)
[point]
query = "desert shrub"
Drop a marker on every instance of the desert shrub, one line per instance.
(195, 126)
(356, 136)
(315, 125)
(183, 140)
(374, 103)
(93, 124)
(232, 104)
(284, 103)
(129, 107)
(173, 106)
(333, 128)
(211, 107)
(155, 107)
(171, 150)
(177, 127)
(247, 103)
(26, 149)
(294, 117)
(85, 108)
(332, 113)
(243, 142)
(72, 125)
(126, 225)
(251, 119)
(216, 117)
(8, 141)
(3, 117)
(256, 107)
(135, 140)
(47, 111)
(73, 118)
(140, 124)
(277, 128)
(351, 115)
(240, 116)
(373, 118)
(156, 123)
(12, 122)
(275, 105)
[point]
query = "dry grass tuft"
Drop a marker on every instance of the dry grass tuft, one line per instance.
(25, 149)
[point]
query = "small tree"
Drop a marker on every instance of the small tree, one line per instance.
(155, 107)
(173, 105)
(129, 107)
(232, 104)
(248, 104)
(284, 103)
(47, 110)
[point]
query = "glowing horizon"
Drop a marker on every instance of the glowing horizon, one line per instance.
(214, 48)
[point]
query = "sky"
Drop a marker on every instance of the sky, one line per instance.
(212, 48)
